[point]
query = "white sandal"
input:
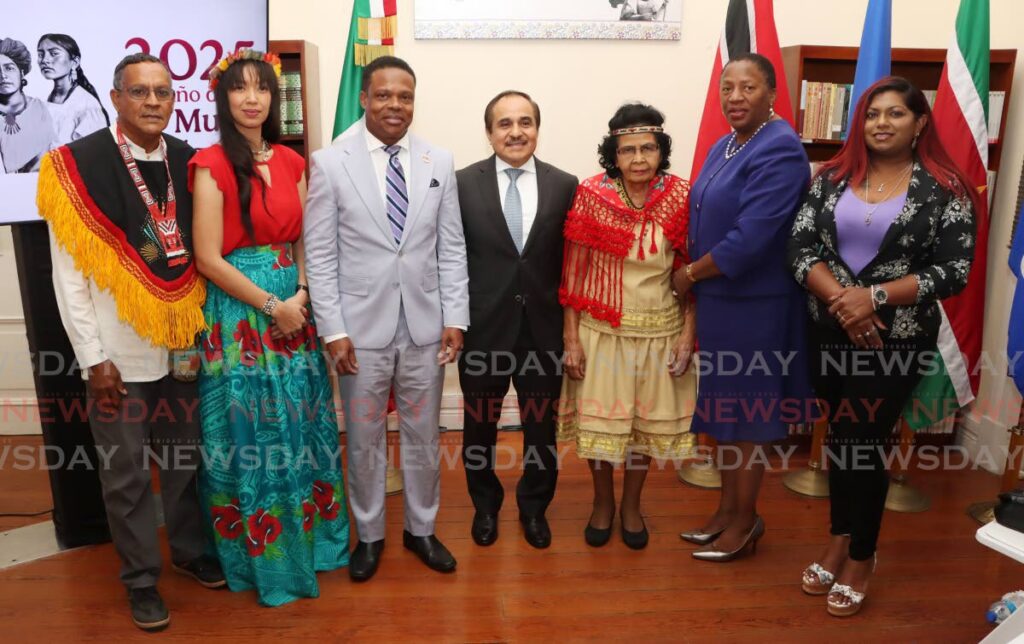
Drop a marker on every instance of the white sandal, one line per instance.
(851, 603)
(816, 580)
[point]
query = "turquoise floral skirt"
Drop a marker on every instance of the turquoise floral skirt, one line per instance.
(271, 482)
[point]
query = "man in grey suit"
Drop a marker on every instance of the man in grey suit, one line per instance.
(386, 261)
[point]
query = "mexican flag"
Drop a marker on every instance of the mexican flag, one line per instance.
(371, 34)
(960, 117)
(749, 27)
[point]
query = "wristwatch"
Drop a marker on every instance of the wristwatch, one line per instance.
(879, 296)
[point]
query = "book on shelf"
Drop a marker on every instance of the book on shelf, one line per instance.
(996, 99)
(290, 90)
(825, 110)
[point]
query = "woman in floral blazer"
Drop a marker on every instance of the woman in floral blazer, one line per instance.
(886, 231)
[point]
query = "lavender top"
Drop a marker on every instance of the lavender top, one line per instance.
(859, 242)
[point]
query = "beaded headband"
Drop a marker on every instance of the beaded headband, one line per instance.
(244, 54)
(638, 130)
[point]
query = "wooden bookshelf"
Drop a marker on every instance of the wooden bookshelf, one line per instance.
(922, 67)
(301, 56)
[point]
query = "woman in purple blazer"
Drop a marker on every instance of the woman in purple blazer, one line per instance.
(750, 313)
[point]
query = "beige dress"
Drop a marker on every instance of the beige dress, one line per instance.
(628, 401)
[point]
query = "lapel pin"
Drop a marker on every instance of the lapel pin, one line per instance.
(426, 158)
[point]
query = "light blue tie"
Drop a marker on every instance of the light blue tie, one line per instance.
(514, 208)
(395, 190)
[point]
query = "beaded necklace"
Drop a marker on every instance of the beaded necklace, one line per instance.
(730, 153)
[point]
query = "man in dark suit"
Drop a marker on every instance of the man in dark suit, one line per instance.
(513, 208)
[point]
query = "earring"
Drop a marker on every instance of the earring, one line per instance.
(74, 75)
(913, 144)
(771, 112)
(24, 82)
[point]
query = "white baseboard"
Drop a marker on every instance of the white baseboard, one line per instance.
(19, 416)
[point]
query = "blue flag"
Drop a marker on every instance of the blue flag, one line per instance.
(1015, 344)
(874, 60)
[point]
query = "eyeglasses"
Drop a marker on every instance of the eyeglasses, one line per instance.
(141, 93)
(647, 149)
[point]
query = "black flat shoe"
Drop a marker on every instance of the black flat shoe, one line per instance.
(485, 529)
(430, 551)
(364, 560)
(634, 540)
(597, 537)
(536, 531)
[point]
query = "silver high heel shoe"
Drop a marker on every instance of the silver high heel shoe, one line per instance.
(699, 537)
(719, 556)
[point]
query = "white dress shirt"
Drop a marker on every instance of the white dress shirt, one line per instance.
(379, 158)
(527, 184)
(90, 318)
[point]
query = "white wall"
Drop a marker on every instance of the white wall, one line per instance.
(580, 83)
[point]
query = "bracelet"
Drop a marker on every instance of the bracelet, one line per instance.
(874, 302)
(270, 304)
(689, 273)
(302, 287)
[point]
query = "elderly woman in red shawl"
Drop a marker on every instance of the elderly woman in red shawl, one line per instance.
(630, 389)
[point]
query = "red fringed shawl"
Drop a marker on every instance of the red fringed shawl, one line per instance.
(599, 235)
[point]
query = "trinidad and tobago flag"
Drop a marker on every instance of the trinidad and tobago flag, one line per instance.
(749, 27)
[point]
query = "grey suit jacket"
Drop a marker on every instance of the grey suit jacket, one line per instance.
(357, 275)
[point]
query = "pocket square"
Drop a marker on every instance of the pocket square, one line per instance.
(434, 183)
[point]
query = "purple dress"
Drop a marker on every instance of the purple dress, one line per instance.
(751, 321)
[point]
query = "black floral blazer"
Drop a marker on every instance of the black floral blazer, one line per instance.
(931, 239)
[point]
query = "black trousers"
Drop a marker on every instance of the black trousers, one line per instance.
(485, 377)
(865, 391)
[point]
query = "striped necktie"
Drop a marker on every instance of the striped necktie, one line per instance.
(396, 193)
(514, 208)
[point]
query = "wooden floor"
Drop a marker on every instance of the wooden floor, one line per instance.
(934, 581)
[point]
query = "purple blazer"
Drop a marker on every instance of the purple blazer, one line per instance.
(742, 210)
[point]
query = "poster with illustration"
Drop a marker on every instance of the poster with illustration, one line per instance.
(57, 65)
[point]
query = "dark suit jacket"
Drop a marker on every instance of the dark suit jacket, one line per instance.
(932, 239)
(501, 282)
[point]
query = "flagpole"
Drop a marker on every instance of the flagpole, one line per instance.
(903, 497)
(813, 481)
(702, 472)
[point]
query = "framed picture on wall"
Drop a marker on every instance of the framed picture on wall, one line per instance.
(564, 19)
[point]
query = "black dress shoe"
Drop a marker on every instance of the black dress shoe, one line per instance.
(148, 610)
(204, 569)
(635, 540)
(364, 560)
(485, 529)
(537, 531)
(430, 551)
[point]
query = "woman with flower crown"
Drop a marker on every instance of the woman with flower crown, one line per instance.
(272, 481)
